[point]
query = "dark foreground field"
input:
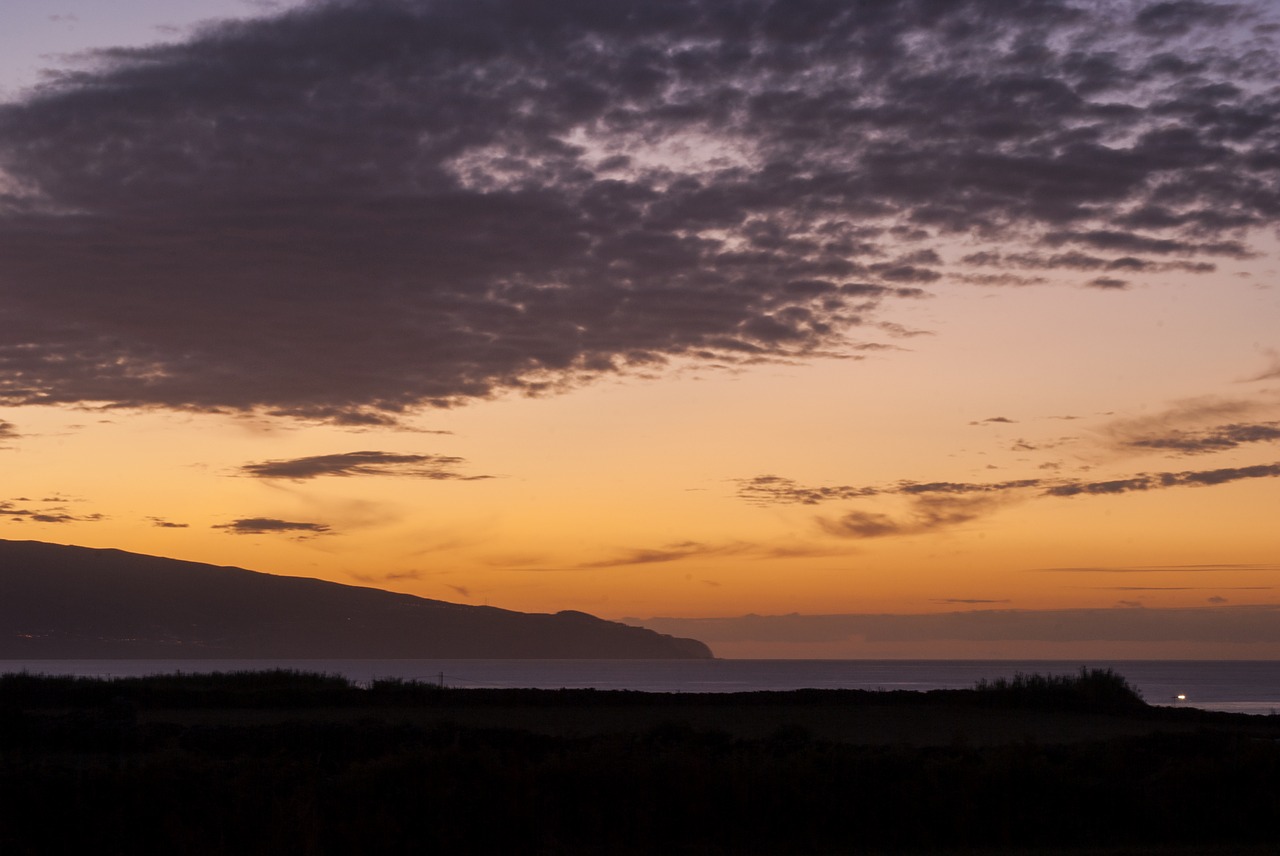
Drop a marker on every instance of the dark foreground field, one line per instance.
(289, 763)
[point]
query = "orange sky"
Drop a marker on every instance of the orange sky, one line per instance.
(1056, 444)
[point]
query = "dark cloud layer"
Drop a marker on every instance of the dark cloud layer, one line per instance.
(356, 208)
(439, 467)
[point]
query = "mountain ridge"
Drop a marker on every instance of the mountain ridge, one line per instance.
(60, 601)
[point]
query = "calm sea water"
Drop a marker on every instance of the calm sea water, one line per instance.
(1240, 686)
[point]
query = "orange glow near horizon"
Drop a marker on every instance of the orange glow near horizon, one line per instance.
(622, 499)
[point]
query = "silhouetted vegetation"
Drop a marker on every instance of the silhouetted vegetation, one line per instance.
(1089, 689)
(288, 762)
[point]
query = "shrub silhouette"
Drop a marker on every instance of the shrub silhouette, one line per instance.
(1092, 689)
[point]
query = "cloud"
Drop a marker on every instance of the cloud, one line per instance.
(1177, 17)
(394, 576)
(271, 526)
(1144, 481)
(776, 490)
(926, 514)
(1161, 569)
(1272, 372)
(1127, 242)
(350, 210)
(161, 523)
(680, 550)
(1068, 260)
(346, 464)
(941, 505)
(668, 553)
(1216, 439)
(8, 431)
(47, 514)
(771, 490)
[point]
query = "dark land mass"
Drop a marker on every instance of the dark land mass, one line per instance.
(287, 762)
(59, 602)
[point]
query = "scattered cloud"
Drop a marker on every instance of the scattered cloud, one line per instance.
(392, 577)
(1070, 260)
(1161, 569)
(1157, 481)
(1271, 372)
(680, 550)
(346, 464)
(8, 431)
(1216, 439)
(901, 332)
(771, 490)
(271, 526)
(161, 523)
(926, 514)
(521, 196)
(1218, 422)
(941, 505)
(776, 490)
(1184, 588)
(46, 514)
(669, 553)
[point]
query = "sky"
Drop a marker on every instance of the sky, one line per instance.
(806, 328)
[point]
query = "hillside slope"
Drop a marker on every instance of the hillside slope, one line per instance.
(75, 602)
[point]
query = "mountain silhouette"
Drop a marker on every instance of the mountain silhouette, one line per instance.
(76, 602)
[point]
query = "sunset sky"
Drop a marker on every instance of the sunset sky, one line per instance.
(835, 329)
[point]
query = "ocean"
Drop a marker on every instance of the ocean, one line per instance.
(1238, 686)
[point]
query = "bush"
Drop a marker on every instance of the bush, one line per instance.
(1090, 688)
